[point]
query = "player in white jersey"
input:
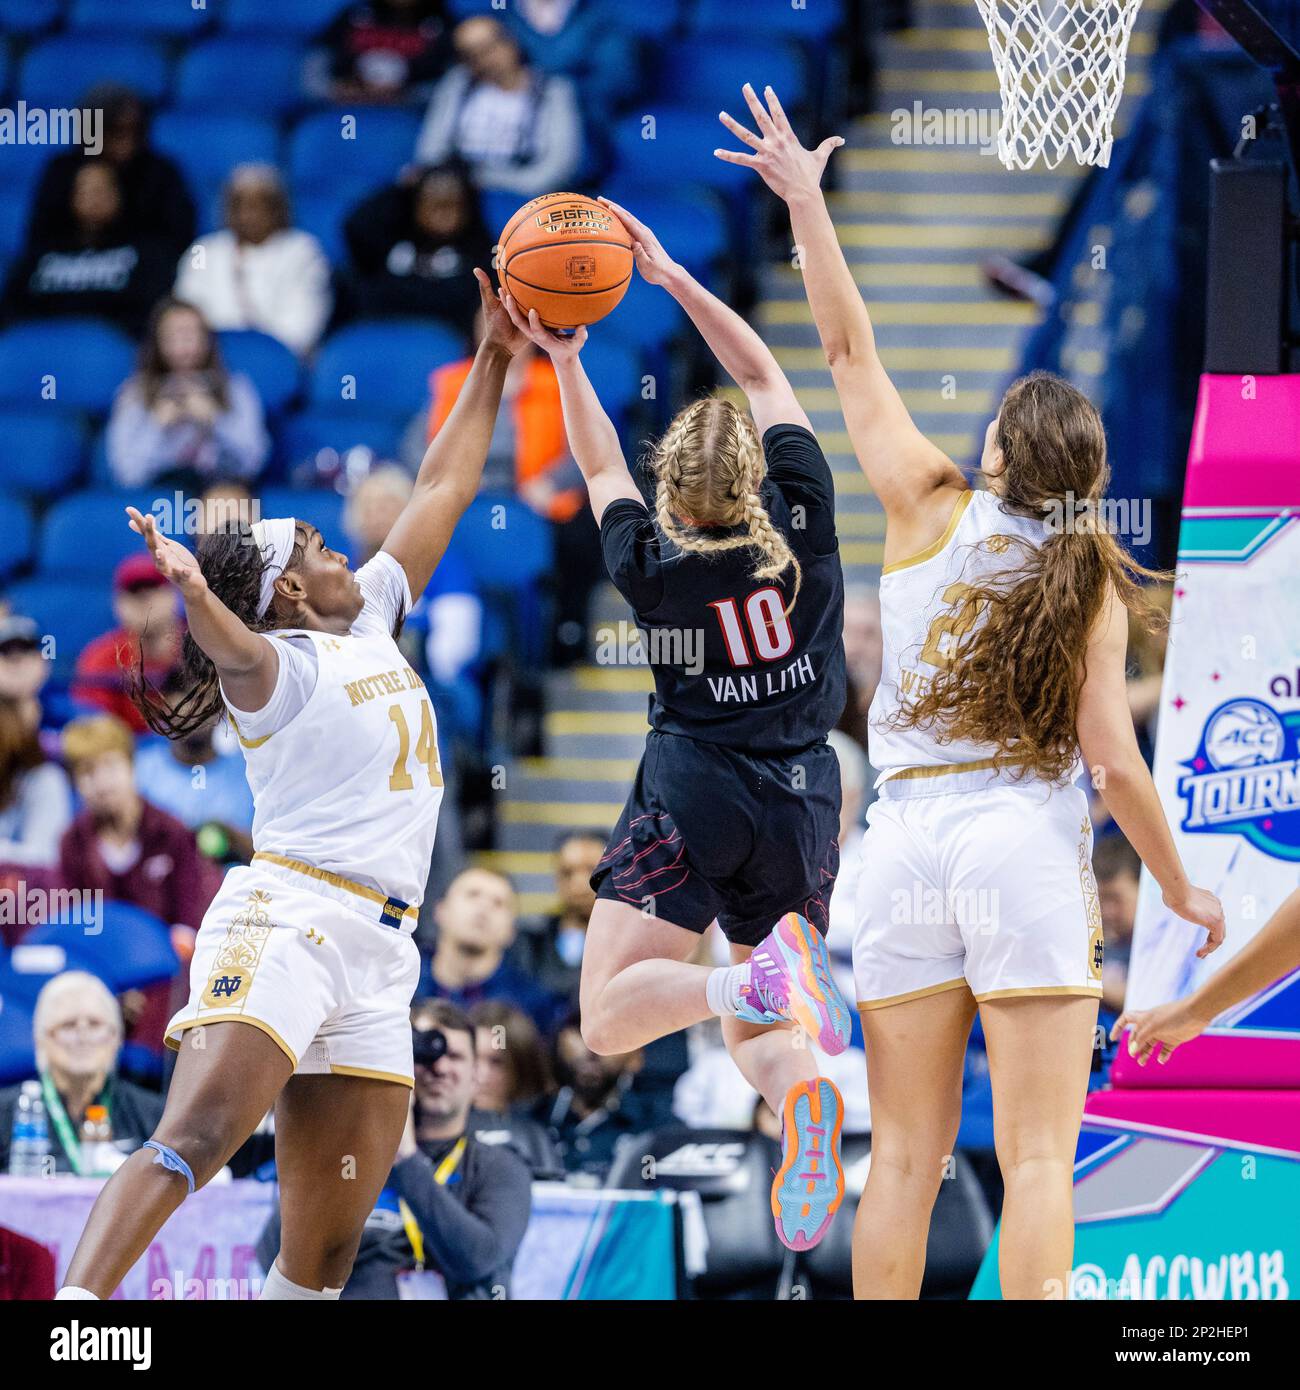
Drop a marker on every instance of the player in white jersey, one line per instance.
(304, 966)
(1005, 618)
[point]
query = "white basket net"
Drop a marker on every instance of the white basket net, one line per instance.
(1060, 66)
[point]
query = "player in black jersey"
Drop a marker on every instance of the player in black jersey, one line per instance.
(736, 584)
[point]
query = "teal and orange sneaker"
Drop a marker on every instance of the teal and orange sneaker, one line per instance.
(790, 979)
(809, 1186)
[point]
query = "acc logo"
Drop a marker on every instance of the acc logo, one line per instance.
(1245, 778)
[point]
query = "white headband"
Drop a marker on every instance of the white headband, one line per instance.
(275, 538)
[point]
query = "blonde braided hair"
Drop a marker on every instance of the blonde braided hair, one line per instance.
(708, 469)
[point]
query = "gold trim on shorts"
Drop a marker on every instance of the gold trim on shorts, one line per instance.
(865, 1004)
(930, 551)
(187, 1023)
(325, 876)
(1041, 989)
(373, 1075)
(908, 774)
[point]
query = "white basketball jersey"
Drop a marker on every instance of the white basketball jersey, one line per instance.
(916, 601)
(351, 784)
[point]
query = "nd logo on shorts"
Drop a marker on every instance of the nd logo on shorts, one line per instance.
(226, 987)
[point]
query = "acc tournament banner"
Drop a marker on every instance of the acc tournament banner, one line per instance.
(1228, 741)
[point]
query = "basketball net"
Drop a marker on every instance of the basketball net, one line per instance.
(1060, 66)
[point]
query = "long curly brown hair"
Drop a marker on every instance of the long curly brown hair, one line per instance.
(1012, 676)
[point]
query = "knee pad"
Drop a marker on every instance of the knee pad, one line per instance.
(171, 1160)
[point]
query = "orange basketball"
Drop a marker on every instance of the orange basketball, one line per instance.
(567, 257)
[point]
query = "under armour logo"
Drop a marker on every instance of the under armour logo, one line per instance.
(331, 645)
(314, 935)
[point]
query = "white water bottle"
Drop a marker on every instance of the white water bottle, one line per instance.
(99, 1156)
(29, 1140)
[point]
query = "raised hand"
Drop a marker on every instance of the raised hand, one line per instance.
(560, 348)
(173, 560)
(498, 329)
(654, 263)
(779, 159)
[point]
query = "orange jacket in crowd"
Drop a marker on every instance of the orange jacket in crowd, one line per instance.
(538, 420)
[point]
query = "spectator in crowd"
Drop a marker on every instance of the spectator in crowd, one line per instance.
(1118, 871)
(529, 456)
(23, 667)
(517, 129)
(131, 851)
(182, 419)
(35, 799)
(224, 504)
(26, 1269)
(550, 949)
(475, 922)
(413, 247)
(259, 272)
(204, 786)
(864, 650)
(582, 40)
(149, 628)
(1147, 662)
(387, 51)
(78, 1035)
(454, 1207)
(94, 264)
(513, 1065)
(155, 201)
(594, 1108)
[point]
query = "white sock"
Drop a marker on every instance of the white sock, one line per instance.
(722, 989)
(72, 1291)
(278, 1288)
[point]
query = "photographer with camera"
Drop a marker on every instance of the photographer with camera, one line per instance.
(454, 1209)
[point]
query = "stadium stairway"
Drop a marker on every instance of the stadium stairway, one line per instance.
(916, 221)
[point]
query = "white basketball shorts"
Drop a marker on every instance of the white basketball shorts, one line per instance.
(304, 957)
(988, 887)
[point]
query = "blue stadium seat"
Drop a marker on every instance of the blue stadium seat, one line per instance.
(388, 361)
(131, 947)
(17, 535)
(324, 154)
(681, 151)
(614, 369)
(322, 508)
(59, 71)
(28, 16)
(274, 369)
(323, 213)
(646, 317)
(167, 18)
(813, 23)
(86, 359)
(207, 145)
(302, 17)
(20, 168)
(5, 65)
(85, 536)
(691, 223)
(509, 564)
(45, 450)
(71, 611)
(263, 76)
(707, 75)
(304, 436)
(13, 219)
(655, 21)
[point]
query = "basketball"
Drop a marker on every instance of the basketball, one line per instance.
(567, 257)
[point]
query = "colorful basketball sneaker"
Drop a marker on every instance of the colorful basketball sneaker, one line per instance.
(790, 979)
(809, 1186)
